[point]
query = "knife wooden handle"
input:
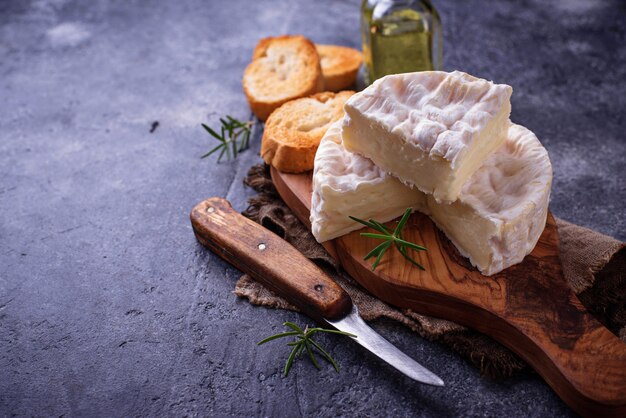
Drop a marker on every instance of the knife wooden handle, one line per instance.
(268, 259)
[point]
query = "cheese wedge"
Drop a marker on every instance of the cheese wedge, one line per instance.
(430, 129)
(496, 221)
(348, 184)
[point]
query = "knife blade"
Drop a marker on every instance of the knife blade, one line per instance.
(282, 268)
(383, 349)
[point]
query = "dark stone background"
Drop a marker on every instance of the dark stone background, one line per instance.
(109, 307)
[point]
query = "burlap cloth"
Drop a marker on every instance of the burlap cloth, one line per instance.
(593, 264)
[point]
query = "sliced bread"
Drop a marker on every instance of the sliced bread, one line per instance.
(283, 68)
(294, 130)
(340, 65)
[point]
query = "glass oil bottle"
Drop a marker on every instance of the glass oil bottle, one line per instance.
(400, 36)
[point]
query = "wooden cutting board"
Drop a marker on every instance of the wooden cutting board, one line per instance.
(528, 307)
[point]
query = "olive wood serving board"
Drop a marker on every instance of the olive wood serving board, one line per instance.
(529, 307)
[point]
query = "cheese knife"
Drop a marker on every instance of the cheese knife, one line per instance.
(282, 268)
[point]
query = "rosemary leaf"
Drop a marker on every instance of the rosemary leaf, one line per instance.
(380, 255)
(294, 327)
(326, 355)
(378, 236)
(304, 341)
(402, 222)
(377, 250)
(274, 337)
(415, 263)
(410, 245)
(211, 152)
(290, 359)
(381, 227)
(362, 222)
(212, 132)
(300, 350)
(311, 355)
(234, 137)
(389, 237)
(221, 153)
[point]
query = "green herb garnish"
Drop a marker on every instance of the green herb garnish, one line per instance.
(389, 237)
(234, 137)
(304, 341)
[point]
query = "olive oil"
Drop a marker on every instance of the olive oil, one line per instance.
(400, 36)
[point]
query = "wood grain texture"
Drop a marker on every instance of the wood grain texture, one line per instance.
(528, 307)
(269, 259)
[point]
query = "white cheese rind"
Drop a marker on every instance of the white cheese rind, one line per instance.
(502, 209)
(430, 129)
(496, 221)
(346, 184)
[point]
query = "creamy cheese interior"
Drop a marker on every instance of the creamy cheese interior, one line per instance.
(496, 221)
(502, 209)
(347, 184)
(432, 129)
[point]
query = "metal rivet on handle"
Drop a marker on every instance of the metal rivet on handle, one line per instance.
(262, 246)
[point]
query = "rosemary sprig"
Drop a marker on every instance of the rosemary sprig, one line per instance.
(389, 237)
(234, 137)
(304, 341)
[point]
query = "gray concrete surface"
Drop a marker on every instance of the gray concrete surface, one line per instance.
(109, 307)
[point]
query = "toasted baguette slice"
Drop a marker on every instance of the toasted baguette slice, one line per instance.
(340, 65)
(282, 69)
(294, 131)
